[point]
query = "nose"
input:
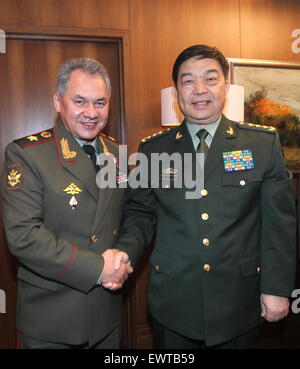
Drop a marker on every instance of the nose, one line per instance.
(200, 87)
(90, 112)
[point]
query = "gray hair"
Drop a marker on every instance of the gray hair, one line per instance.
(87, 65)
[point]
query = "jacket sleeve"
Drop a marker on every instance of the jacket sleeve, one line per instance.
(39, 250)
(278, 233)
(139, 216)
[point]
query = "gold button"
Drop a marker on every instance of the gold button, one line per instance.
(242, 182)
(204, 192)
(206, 267)
(115, 232)
(94, 238)
(204, 216)
(156, 267)
(205, 241)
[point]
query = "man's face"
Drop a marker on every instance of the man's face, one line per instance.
(84, 106)
(201, 90)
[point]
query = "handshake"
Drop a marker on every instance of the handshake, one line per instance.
(116, 269)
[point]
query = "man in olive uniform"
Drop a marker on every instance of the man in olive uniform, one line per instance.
(224, 260)
(61, 226)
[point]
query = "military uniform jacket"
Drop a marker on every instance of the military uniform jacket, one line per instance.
(213, 256)
(58, 223)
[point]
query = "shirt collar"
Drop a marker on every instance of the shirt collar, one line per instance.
(93, 143)
(211, 128)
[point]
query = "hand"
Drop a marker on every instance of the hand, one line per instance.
(116, 269)
(274, 308)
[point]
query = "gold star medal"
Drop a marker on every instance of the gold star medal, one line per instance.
(73, 190)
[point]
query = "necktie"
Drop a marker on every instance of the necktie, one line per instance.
(90, 150)
(202, 147)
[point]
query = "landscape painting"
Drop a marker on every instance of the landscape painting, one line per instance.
(272, 98)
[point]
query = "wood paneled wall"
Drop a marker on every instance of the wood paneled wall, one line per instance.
(159, 30)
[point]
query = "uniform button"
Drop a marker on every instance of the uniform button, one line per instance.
(115, 232)
(94, 238)
(205, 241)
(258, 269)
(242, 182)
(157, 267)
(204, 192)
(204, 216)
(206, 267)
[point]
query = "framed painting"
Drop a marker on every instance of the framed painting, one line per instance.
(272, 97)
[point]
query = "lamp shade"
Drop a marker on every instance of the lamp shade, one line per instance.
(172, 116)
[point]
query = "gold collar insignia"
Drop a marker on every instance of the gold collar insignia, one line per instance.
(65, 148)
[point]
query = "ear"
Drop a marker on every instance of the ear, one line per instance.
(227, 85)
(175, 93)
(57, 102)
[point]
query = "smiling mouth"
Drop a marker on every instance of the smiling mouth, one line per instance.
(200, 103)
(89, 124)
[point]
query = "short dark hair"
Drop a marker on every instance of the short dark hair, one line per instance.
(202, 52)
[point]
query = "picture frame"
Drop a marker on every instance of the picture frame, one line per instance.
(272, 98)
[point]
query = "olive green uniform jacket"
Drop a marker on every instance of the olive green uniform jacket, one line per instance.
(59, 242)
(213, 256)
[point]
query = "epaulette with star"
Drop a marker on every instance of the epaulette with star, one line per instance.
(257, 127)
(155, 135)
(36, 138)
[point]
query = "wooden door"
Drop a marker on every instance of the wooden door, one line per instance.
(28, 75)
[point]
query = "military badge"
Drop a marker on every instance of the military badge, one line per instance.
(230, 131)
(121, 178)
(169, 175)
(65, 149)
(14, 177)
(169, 171)
(238, 160)
(46, 134)
(73, 190)
(32, 138)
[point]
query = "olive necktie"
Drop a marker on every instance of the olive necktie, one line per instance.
(90, 150)
(202, 147)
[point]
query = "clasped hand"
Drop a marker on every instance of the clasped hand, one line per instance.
(116, 269)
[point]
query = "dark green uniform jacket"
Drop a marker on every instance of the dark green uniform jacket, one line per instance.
(214, 256)
(58, 223)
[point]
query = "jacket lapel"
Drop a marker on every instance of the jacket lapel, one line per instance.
(74, 159)
(183, 144)
(225, 139)
(104, 193)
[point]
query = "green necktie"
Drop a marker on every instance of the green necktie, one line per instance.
(202, 146)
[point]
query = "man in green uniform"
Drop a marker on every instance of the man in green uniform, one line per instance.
(224, 260)
(61, 226)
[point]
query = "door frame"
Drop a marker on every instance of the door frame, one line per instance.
(120, 37)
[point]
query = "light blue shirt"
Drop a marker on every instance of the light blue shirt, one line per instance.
(211, 129)
(93, 143)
